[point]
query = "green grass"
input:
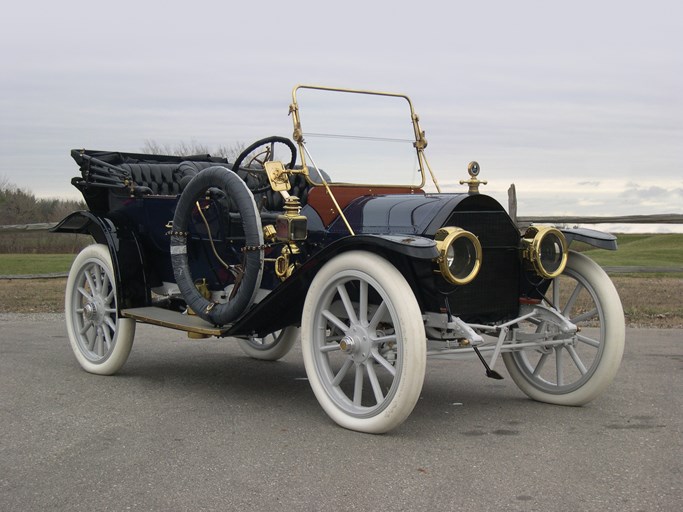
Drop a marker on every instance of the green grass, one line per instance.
(655, 250)
(17, 264)
(643, 250)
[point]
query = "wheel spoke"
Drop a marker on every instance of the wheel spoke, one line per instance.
(86, 325)
(91, 339)
(331, 317)
(389, 338)
(112, 325)
(342, 372)
(358, 385)
(377, 317)
(363, 302)
(572, 299)
(348, 305)
(89, 278)
(540, 364)
(577, 360)
(559, 367)
(85, 293)
(107, 339)
(99, 342)
(585, 316)
(588, 341)
(386, 364)
(374, 381)
(105, 285)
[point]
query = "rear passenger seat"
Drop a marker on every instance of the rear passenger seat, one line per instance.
(165, 179)
(170, 179)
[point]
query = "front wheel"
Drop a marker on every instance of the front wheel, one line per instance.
(100, 339)
(363, 342)
(577, 371)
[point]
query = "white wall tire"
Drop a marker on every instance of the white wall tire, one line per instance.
(271, 347)
(363, 342)
(576, 373)
(100, 339)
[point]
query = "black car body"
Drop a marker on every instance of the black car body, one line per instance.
(270, 250)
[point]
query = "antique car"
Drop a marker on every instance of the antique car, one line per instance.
(341, 238)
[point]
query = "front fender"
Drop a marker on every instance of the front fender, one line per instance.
(592, 237)
(124, 248)
(283, 306)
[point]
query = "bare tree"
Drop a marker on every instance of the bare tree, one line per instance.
(192, 147)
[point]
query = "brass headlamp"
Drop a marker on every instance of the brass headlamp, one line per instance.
(544, 248)
(460, 254)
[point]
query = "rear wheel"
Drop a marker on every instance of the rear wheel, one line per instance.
(363, 342)
(270, 347)
(100, 339)
(577, 371)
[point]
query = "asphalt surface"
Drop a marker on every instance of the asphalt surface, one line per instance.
(196, 425)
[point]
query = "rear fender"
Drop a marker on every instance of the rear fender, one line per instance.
(124, 248)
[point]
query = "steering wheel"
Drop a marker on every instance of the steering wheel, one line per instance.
(259, 156)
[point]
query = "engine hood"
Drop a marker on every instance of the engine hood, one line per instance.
(409, 214)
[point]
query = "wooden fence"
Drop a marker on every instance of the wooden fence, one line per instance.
(664, 218)
(521, 221)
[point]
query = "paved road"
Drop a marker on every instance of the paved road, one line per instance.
(192, 425)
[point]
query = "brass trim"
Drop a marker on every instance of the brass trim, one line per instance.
(531, 249)
(420, 142)
(444, 238)
(474, 182)
(277, 176)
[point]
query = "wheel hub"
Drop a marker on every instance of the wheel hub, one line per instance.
(93, 312)
(90, 311)
(356, 343)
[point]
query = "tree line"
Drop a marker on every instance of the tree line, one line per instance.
(20, 206)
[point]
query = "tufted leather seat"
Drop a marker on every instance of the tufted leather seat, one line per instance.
(166, 179)
(172, 178)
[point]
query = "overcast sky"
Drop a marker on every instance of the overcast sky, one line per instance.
(579, 103)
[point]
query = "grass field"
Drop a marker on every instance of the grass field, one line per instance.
(653, 250)
(657, 250)
(21, 264)
(649, 300)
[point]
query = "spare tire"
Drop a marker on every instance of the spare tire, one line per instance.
(239, 194)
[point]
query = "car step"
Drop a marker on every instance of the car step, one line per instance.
(173, 320)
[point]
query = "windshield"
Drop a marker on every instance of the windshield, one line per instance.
(358, 137)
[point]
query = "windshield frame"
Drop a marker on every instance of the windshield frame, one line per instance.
(419, 142)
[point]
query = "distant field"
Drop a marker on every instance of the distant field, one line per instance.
(649, 300)
(19, 264)
(650, 250)
(645, 250)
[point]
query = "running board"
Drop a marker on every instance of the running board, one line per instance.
(173, 320)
